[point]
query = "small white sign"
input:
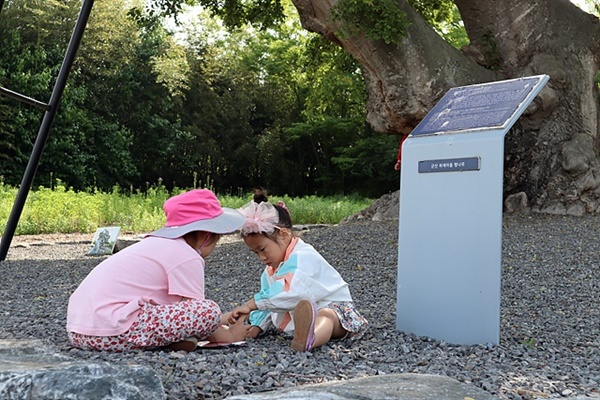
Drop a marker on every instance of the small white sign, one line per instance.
(104, 240)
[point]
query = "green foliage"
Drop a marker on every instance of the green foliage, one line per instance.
(366, 165)
(163, 8)
(261, 13)
(133, 211)
(58, 210)
(375, 19)
(234, 13)
(453, 30)
(333, 75)
(435, 12)
(26, 66)
(62, 210)
(7, 138)
(318, 141)
(322, 210)
(529, 342)
(230, 110)
(309, 209)
(86, 146)
(490, 50)
(592, 6)
(8, 195)
(328, 156)
(445, 18)
(172, 69)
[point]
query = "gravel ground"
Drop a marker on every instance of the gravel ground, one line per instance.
(550, 315)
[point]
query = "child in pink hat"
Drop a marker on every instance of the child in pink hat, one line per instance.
(151, 294)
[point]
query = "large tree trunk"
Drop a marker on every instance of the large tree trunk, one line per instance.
(552, 151)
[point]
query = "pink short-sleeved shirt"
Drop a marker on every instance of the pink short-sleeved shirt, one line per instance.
(155, 270)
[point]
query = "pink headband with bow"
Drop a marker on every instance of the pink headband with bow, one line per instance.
(260, 218)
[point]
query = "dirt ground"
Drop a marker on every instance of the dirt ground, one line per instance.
(56, 238)
(53, 238)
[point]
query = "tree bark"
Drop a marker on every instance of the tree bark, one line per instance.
(551, 153)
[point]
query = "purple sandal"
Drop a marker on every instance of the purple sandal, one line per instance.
(305, 315)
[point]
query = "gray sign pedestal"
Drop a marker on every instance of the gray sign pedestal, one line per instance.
(450, 227)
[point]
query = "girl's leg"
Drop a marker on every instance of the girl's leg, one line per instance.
(335, 321)
(159, 326)
(314, 328)
(197, 318)
(327, 327)
(102, 343)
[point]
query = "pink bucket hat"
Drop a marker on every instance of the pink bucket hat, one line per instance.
(198, 210)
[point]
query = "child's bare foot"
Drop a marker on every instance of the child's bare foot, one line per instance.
(238, 330)
(304, 326)
(252, 332)
(229, 333)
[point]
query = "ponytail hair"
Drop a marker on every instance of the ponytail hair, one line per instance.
(285, 219)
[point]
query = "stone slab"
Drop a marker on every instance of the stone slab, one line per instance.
(382, 387)
(29, 369)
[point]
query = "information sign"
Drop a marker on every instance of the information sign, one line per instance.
(477, 107)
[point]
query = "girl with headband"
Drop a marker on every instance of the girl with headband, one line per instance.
(301, 293)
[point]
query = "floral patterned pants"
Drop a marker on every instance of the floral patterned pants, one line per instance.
(158, 326)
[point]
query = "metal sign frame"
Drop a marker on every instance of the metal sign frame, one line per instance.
(50, 112)
(450, 221)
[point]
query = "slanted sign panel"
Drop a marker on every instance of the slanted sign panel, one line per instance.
(477, 107)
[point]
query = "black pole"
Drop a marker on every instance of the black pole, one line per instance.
(42, 136)
(22, 98)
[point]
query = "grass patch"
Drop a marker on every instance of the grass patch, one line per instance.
(62, 210)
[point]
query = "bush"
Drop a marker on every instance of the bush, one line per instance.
(62, 210)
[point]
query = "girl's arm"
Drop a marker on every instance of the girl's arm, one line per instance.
(261, 319)
(244, 309)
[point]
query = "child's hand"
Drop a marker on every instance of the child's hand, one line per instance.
(225, 318)
(238, 312)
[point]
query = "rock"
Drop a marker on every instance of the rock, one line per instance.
(516, 203)
(41, 243)
(120, 244)
(474, 54)
(578, 154)
(31, 370)
(392, 386)
(386, 208)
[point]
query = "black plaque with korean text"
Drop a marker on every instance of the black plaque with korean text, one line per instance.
(477, 107)
(450, 165)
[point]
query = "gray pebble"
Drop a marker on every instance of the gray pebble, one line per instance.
(549, 333)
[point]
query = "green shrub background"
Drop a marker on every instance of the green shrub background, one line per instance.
(63, 210)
